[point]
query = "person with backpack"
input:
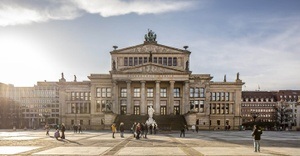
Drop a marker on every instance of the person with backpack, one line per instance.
(256, 138)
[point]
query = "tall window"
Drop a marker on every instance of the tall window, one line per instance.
(135, 61)
(136, 92)
(191, 92)
(201, 105)
(98, 106)
(140, 60)
(155, 59)
(196, 92)
(149, 92)
(145, 59)
(126, 61)
(227, 96)
(159, 60)
(169, 61)
(176, 92)
(103, 92)
(174, 61)
(103, 103)
(165, 61)
(202, 94)
(123, 92)
(130, 61)
(163, 92)
(213, 96)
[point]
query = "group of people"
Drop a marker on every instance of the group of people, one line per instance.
(138, 129)
(58, 128)
(77, 128)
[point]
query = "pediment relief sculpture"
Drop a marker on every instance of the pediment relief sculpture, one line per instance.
(150, 69)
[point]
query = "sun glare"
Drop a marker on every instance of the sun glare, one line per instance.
(20, 59)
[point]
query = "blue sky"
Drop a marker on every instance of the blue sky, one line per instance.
(40, 39)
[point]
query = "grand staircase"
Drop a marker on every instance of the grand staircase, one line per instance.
(164, 122)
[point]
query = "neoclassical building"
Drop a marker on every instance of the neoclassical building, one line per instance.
(144, 75)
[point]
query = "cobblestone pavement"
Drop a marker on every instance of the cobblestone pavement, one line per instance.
(101, 143)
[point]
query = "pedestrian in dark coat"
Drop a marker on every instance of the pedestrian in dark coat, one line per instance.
(146, 130)
(63, 129)
(182, 131)
(256, 138)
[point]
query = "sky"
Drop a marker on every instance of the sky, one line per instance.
(40, 39)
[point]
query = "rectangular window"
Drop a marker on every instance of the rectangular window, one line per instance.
(155, 59)
(227, 96)
(123, 92)
(202, 92)
(136, 92)
(163, 92)
(103, 103)
(126, 61)
(176, 92)
(174, 61)
(165, 61)
(213, 96)
(103, 92)
(169, 61)
(130, 61)
(98, 106)
(191, 92)
(149, 92)
(159, 60)
(140, 60)
(135, 61)
(217, 96)
(218, 122)
(222, 96)
(201, 106)
(196, 92)
(145, 59)
(73, 96)
(108, 92)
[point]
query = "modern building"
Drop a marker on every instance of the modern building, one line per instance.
(141, 76)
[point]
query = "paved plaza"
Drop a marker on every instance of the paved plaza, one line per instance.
(35, 142)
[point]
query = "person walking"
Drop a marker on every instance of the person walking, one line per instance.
(197, 128)
(63, 129)
(138, 131)
(113, 129)
(79, 128)
(47, 128)
(122, 129)
(256, 138)
(182, 131)
(146, 130)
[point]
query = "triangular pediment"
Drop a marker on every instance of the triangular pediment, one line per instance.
(152, 68)
(153, 48)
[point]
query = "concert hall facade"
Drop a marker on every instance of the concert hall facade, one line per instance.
(144, 75)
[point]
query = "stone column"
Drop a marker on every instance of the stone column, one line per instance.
(129, 103)
(186, 98)
(171, 98)
(115, 96)
(157, 98)
(143, 98)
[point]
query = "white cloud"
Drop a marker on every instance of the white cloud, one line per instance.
(15, 13)
(118, 7)
(19, 12)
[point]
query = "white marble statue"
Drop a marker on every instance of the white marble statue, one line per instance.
(150, 112)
